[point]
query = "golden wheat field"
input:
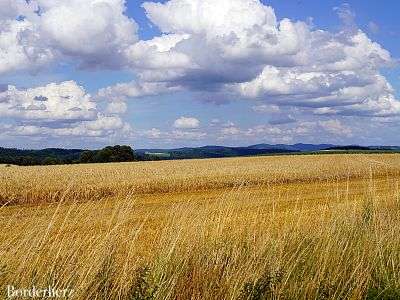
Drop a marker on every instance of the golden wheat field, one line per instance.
(281, 227)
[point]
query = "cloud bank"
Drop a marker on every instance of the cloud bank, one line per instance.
(228, 49)
(57, 110)
(37, 33)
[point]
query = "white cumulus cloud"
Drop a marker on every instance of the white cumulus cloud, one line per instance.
(35, 33)
(57, 109)
(187, 123)
(252, 54)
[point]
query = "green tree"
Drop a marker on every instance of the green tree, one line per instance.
(87, 157)
(50, 161)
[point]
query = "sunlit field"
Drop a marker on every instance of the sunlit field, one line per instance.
(281, 227)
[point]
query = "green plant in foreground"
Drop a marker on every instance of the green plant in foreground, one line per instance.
(383, 294)
(264, 287)
(144, 287)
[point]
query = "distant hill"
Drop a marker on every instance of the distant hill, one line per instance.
(209, 152)
(385, 148)
(295, 147)
(349, 148)
(259, 149)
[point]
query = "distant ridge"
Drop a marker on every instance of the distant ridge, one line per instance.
(349, 148)
(213, 151)
(295, 147)
(210, 152)
(272, 147)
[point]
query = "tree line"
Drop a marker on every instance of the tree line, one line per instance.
(62, 156)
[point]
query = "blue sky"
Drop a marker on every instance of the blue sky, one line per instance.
(122, 90)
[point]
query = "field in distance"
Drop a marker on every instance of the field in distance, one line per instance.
(282, 227)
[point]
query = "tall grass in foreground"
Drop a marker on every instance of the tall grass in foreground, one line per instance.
(237, 246)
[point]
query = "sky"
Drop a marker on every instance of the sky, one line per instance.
(174, 73)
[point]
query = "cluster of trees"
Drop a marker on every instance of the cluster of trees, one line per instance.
(108, 154)
(62, 156)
